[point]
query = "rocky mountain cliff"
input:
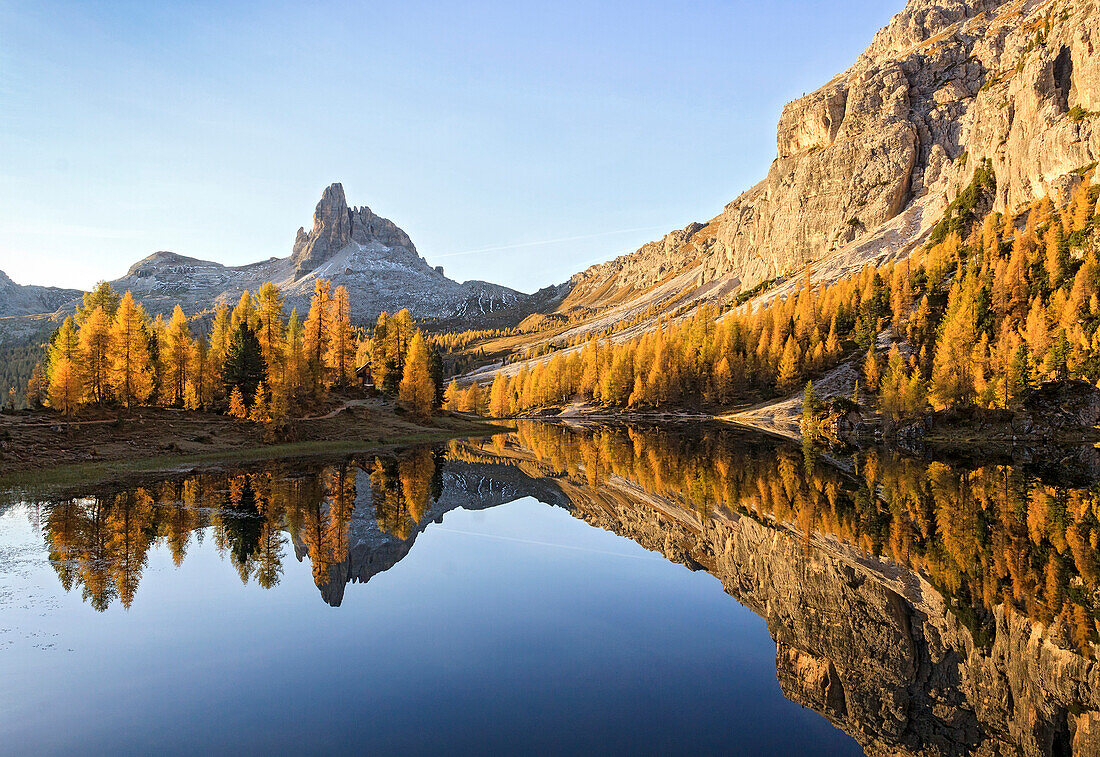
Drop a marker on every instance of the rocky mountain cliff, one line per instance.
(351, 247)
(17, 299)
(867, 163)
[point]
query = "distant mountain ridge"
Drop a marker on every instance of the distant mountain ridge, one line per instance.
(28, 299)
(351, 247)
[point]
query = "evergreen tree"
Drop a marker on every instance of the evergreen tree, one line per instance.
(244, 362)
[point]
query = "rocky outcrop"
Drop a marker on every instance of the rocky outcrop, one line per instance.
(335, 226)
(866, 164)
(351, 247)
(18, 300)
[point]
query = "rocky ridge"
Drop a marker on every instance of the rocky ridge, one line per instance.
(351, 247)
(28, 299)
(866, 164)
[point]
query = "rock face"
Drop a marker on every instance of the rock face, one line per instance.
(351, 247)
(866, 164)
(335, 226)
(16, 299)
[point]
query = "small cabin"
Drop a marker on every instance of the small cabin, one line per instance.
(364, 377)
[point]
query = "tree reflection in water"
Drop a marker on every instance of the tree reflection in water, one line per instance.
(984, 535)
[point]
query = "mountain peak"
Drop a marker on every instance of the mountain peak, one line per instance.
(335, 226)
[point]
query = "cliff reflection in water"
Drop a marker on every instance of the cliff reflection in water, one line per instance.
(920, 606)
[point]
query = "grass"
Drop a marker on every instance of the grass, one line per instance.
(63, 477)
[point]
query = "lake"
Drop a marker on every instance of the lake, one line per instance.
(613, 589)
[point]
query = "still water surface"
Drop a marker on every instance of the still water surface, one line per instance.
(513, 629)
(611, 589)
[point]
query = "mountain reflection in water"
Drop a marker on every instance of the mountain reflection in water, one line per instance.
(921, 607)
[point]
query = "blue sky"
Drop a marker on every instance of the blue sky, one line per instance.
(515, 142)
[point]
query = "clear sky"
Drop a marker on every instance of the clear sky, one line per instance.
(515, 142)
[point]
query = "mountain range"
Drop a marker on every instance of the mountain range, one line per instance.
(349, 246)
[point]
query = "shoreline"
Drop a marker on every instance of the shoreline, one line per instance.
(42, 457)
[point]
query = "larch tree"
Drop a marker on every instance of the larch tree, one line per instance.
(952, 366)
(341, 344)
(380, 367)
(317, 335)
(294, 374)
(471, 399)
(259, 413)
(788, 372)
(872, 371)
(132, 377)
(200, 385)
(65, 386)
(270, 303)
(498, 397)
(245, 312)
(417, 390)
(37, 387)
(95, 349)
(237, 408)
(220, 334)
(175, 356)
(65, 343)
(102, 297)
(451, 397)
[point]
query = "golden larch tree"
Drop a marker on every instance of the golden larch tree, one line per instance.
(340, 357)
(175, 355)
(417, 390)
(132, 376)
(65, 386)
(95, 349)
(498, 397)
(318, 329)
(270, 302)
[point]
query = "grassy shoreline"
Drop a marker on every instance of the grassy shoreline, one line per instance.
(68, 476)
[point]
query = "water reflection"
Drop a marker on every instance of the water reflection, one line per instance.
(919, 605)
(100, 543)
